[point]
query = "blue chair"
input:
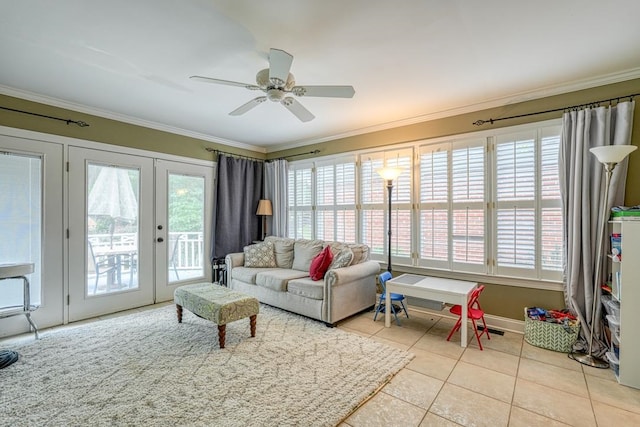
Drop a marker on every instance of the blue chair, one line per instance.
(395, 298)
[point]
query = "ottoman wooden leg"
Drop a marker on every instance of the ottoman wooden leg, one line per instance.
(179, 312)
(252, 322)
(222, 333)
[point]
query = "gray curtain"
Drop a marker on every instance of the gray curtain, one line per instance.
(582, 185)
(276, 190)
(238, 190)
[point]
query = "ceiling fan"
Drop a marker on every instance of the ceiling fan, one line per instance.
(277, 83)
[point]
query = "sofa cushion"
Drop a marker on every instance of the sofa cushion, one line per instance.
(278, 279)
(283, 249)
(247, 274)
(307, 288)
(304, 251)
(320, 264)
(344, 258)
(259, 255)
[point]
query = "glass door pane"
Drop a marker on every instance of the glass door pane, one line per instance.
(112, 228)
(186, 227)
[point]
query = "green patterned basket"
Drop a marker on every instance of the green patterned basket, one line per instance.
(552, 336)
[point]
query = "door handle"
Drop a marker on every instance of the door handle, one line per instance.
(160, 240)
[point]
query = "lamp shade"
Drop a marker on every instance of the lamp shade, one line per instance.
(264, 207)
(612, 153)
(388, 173)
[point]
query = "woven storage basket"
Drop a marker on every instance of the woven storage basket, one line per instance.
(552, 336)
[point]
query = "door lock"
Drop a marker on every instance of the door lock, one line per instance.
(160, 240)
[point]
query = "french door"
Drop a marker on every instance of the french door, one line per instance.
(138, 228)
(111, 241)
(183, 220)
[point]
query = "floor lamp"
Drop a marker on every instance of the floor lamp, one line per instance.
(609, 156)
(389, 174)
(265, 209)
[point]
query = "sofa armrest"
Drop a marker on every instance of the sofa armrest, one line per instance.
(340, 276)
(349, 290)
(231, 261)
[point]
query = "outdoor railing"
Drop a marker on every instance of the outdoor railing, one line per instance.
(188, 254)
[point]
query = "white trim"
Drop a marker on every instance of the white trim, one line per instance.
(42, 99)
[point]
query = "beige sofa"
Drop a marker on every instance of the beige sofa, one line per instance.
(348, 286)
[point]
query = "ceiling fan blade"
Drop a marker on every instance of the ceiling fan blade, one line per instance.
(326, 91)
(279, 66)
(248, 106)
(297, 109)
(224, 82)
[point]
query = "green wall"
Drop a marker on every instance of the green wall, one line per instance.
(500, 300)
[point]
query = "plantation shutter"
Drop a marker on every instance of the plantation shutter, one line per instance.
(372, 225)
(336, 200)
(401, 206)
(528, 207)
(433, 207)
(468, 206)
(551, 227)
(300, 201)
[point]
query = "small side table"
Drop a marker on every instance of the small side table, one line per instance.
(19, 271)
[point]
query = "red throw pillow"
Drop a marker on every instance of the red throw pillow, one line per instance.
(320, 264)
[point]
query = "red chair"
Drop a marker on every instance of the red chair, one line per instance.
(474, 313)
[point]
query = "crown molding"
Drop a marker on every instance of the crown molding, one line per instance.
(470, 108)
(55, 102)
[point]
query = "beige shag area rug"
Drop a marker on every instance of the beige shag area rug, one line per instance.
(146, 369)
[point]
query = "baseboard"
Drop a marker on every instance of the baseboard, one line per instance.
(494, 322)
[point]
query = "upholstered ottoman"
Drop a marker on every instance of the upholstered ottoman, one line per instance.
(217, 303)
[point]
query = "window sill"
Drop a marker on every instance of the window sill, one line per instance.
(480, 278)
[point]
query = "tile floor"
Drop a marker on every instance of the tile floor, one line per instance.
(510, 383)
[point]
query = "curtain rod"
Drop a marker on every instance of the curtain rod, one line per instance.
(67, 121)
(594, 103)
(299, 154)
(213, 150)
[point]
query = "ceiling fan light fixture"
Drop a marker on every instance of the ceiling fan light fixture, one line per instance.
(275, 95)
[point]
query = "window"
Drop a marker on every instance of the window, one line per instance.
(375, 208)
(484, 204)
(528, 217)
(336, 200)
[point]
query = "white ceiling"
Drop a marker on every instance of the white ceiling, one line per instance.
(408, 61)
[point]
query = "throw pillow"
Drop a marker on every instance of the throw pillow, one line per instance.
(303, 253)
(259, 255)
(283, 249)
(320, 264)
(360, 253)
(342, 259)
